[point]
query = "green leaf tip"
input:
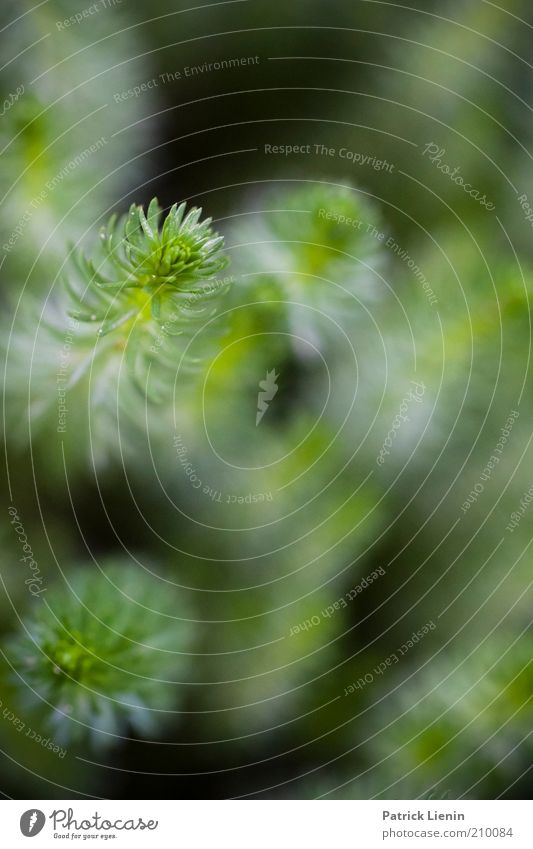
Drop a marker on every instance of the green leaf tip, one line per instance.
(148, 263)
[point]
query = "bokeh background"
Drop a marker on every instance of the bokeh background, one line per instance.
(335, 602)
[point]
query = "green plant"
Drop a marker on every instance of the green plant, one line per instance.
(105, 656)
(152, 267)
(461, 724)
(315, 255)
(153, 281)
(133, 320)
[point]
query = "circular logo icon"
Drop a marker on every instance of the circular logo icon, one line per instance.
(32, 822)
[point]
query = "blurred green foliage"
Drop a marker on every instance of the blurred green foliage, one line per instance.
(219, 616)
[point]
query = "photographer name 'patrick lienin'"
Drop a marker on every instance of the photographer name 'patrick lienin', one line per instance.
(427, 816)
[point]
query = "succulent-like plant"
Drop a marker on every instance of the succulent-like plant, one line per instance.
(319, 242)
(154, 281)
(143, 315)
(309, 267)
(152, 268)
(103, 656)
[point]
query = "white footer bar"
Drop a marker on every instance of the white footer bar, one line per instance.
(267, 824)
